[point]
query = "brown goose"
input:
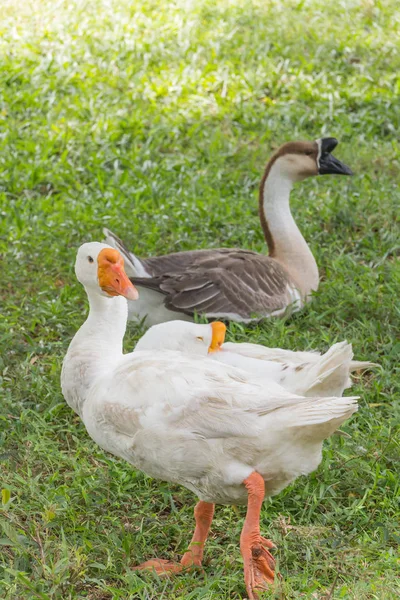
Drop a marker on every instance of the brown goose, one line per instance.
(235, 284)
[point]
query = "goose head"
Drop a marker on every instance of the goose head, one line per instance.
(298, 160)
(100, 268)
(183, 336)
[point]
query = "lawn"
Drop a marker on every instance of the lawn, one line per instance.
(156, 119)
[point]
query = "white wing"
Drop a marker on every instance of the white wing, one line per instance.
(167, 389)
(273, 354)
(183, 418)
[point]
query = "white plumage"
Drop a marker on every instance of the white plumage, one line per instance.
(303, 373)
(184, 418)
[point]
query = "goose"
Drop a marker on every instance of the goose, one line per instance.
(190, 420)
(303, 373)
(235, 284)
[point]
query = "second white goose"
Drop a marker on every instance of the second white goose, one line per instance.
(303, 373)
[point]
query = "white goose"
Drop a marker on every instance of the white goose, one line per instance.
(188, 419)
(303, 373)
(235, 284)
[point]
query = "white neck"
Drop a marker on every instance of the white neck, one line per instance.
(286, 244)
(95, 347)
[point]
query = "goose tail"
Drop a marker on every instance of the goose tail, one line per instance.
(362, 365)
(134, 267)
(330, 375)
(321, 417)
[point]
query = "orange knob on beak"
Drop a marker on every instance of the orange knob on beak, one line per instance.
(218, 336)
(112, 277)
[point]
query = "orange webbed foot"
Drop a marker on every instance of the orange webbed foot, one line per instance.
(259, 566)
(160, 566)
(203, 512)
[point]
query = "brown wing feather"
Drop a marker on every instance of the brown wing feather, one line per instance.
(219, 282)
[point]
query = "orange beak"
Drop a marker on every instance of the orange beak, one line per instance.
(112, 277)
(218, 336)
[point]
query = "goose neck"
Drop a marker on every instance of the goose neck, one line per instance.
(95, 348)
(284, 239)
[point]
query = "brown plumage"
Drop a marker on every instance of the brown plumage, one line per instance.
(237, 284)
(213, 282)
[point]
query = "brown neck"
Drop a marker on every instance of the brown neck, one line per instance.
(261, 211)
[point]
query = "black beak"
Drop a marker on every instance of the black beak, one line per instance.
(329, 164)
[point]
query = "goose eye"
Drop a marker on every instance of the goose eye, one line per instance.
(90, 259)
(200, 339)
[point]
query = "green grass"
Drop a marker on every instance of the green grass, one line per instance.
(156, 119)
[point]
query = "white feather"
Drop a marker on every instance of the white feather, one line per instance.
(188, 419)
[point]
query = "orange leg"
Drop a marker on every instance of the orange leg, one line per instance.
(203, 514)
(259, 564)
